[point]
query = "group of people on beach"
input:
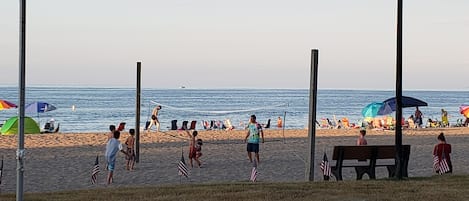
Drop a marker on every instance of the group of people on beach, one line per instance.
(113, 146)
(254, 136)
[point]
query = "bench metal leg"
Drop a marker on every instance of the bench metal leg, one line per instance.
(337, 172)
(362, 170)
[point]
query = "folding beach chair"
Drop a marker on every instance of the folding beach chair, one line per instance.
(193, 125)
(184, 125)
(174, 125)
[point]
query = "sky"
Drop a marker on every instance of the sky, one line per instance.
(237, 44)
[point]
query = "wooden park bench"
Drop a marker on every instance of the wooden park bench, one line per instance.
(365, 159)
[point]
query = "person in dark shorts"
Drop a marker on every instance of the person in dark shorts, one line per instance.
(130, 153)
(252, 138)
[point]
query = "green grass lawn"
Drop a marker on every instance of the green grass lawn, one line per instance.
(441, 188)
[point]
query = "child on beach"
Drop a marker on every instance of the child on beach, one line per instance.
(113, 146)
(130, 153)
(361, 139)
(195, 149)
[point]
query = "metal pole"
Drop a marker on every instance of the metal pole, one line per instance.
(399, 159)
(309, 172)
(137, 113)
(21, 91)
(283, 126)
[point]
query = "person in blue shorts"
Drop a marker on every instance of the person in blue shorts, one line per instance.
(252, 137)
(113, 146)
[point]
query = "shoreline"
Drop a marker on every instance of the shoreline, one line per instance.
(99, 138)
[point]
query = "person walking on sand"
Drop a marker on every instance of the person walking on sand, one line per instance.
(113, 146)
(195, 149)
(130, 153)
(361, 139)
(252, 138)
(442, 151)
(154, 119)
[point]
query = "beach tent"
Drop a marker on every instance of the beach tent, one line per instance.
(11, 126)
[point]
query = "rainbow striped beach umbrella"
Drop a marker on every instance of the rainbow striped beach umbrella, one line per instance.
(6, 105)
(464, 109)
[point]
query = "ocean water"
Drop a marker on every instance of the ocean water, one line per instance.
(97, 108)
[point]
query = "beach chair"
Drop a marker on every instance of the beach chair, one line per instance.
(174, 125)
(205, 125)
(193, 125)
(121, 126)
(268, 124)
(212, 124)
(184, 125)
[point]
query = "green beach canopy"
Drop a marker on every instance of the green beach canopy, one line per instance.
(11, 126)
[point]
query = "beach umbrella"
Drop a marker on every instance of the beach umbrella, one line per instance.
(39, 107)
(464, 109)
(406, 102)
(6, 105)
(376, 109)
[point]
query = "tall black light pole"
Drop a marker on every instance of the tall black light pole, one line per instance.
(313, 86)
(21, 91)
(399, 159)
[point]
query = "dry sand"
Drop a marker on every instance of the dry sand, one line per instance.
(64, 161)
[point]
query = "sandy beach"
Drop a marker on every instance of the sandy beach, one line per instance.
(64, 161)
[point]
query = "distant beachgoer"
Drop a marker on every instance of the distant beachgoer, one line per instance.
(130, 153)
(410, 122)
(154, 119)
(442, 150)
(113, 146)
(361, 139)
(444, 118)
(194, 148)
(279, 122)
(228, 125)
(466, 122)
(252, 137)
(418, 117)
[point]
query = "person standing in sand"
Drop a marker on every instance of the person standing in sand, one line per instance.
(444, 118)
(252, 138)
(195, 150)
(361, 139)
(279, 122)
(418, 117)
(113, 146)
(442, 151)
(130, 154)
(154, 119)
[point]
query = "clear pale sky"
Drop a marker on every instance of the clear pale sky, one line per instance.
(237, 44)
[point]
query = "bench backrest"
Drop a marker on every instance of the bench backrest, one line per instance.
(367, 152)
(352, 152)
(389, 151)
